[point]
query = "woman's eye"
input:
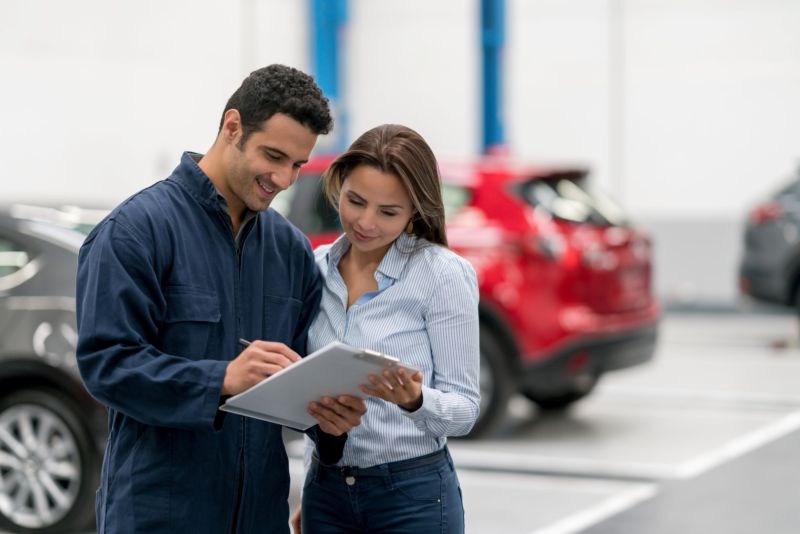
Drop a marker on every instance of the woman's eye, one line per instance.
(389, 213)
(356, 202)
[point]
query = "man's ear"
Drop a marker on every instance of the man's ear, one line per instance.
(231, 125)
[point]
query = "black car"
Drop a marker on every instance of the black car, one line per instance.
(52, 433)
(770, 265)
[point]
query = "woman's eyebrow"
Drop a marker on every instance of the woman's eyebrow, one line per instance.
(359, 197)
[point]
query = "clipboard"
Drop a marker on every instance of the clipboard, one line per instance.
(335, 369)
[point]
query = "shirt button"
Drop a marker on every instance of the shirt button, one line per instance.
(350, 480)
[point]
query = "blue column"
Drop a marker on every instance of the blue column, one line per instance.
(493, 36)
(328, 20)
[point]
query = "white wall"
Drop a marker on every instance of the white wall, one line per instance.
(100, 98)
(415, 62)
(713, 102)
(686, 110)
(684, 107)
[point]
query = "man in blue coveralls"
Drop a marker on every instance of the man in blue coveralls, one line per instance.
(167, 285)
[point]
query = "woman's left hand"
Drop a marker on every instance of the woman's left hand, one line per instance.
(397, 386)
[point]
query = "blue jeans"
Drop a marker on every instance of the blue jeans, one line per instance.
(420, 496)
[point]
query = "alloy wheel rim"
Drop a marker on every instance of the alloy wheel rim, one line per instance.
(40, 466)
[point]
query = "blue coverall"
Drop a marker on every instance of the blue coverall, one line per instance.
(163, 297)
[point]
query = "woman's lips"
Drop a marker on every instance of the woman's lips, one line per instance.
(361, 237)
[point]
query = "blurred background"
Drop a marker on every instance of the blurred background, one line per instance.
(685, 111)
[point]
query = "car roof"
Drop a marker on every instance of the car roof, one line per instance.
(67, 215)
(65, 226)
(470, 172)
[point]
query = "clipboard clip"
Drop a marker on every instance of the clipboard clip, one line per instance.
(377, 358)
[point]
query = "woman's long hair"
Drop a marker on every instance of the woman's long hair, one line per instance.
(400, 151)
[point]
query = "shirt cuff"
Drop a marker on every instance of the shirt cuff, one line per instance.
(216, 376)
(219, 417)
(330, 448)
(430, 398)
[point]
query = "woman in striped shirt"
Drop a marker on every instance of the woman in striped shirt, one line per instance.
(392, 285)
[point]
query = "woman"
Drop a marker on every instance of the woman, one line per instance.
(392, 285)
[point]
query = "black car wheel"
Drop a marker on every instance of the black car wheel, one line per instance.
(495, 384)
(48, 464)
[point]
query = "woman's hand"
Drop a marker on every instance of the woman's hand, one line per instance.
(398, 386)
(337, 416)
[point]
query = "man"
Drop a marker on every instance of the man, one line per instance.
(167, 285)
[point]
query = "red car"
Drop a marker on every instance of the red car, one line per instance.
(565, 280)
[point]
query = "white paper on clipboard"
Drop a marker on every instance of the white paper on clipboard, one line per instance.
(336, 369)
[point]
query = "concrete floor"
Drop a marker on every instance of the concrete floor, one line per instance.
(704, 439)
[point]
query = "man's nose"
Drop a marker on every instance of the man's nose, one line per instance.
(284, 178)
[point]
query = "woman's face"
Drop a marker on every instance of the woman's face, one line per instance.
(374, 208)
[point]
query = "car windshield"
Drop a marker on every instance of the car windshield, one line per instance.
(454, 198)
(567, 196)
(791, 190)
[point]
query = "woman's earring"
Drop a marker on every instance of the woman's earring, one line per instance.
(410, 227)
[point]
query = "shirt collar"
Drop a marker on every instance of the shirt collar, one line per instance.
(201, 188)
(391, 265)
(192, 178)
(247, 216)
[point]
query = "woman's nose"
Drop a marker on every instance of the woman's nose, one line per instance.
(366, 220)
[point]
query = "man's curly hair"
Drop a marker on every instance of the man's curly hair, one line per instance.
(279, 89)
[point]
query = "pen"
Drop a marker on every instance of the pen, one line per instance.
(244, 342)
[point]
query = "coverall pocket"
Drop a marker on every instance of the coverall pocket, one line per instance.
(190, 319)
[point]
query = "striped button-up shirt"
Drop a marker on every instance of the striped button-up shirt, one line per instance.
(425, 312)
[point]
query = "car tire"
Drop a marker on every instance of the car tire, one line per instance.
(495, 384)
(578, 388)
(48, 452)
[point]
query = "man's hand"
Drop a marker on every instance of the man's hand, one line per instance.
(337, 416)
(255, 363)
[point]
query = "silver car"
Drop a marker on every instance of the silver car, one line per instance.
(52, 433)
(770, 265)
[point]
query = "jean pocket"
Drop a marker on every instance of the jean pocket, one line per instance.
(419, 486)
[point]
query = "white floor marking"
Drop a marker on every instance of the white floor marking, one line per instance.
(603, 510)
(741, 446)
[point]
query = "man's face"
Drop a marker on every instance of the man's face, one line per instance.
(267, 163)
